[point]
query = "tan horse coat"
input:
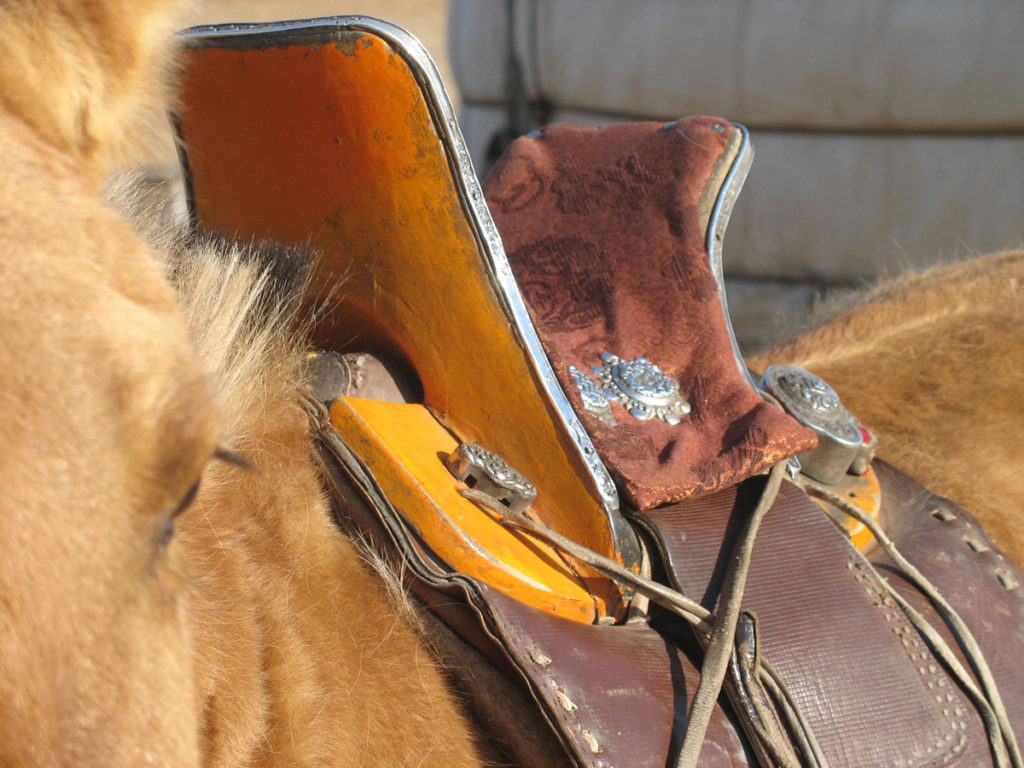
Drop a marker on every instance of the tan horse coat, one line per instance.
(255, 635)
(301, 658)
(105, 422)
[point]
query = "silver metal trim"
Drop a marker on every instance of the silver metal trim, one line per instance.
(814, 403)
(640, 386)
(717, 224)
(488, 473)
(479, 216)
(593, 396)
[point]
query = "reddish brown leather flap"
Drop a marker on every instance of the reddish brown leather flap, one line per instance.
(954, 553)
(605, 229)
(621, 694)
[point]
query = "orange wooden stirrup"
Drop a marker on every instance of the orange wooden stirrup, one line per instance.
(338, 132)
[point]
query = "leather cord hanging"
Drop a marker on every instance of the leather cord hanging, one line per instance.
(721, 627)
(719, 648)
(1003, 742)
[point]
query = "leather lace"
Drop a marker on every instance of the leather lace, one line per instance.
(986, 697)
(719, 627)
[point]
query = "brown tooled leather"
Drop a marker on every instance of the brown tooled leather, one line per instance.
(983, 585)
(620, 694)
(603, 230)
(867, 684)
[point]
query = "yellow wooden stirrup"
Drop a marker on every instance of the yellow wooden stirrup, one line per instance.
(864, 492)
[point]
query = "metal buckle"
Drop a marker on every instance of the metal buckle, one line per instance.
(489, 473)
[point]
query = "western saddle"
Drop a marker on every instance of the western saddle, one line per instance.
(532, 399)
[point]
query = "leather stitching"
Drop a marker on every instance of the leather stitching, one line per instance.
(955, 741)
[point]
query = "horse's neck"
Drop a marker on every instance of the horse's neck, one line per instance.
(288, 620)
(936, 334)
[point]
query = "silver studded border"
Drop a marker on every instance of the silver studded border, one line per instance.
(717, 223)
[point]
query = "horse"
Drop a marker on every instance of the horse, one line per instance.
(165, 601)
(173, 588)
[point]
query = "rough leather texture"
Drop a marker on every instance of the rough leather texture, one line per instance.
(620, 694)
(613, 696)
(955, 554)
(869, 687)
(604, 234)
(859, 674)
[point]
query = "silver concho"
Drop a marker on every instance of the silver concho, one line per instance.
(594, 398)
(491, 474)
(812, 402)
(641, 388)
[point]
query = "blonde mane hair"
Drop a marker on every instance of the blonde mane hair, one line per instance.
(241, 312)
(240, 302)
(261, 552)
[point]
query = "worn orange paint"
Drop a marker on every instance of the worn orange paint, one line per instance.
(404, 447)
(336, 145)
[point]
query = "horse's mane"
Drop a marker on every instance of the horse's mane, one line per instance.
(241, 304)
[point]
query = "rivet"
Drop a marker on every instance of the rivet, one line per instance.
(591, 741)
(564, 701)
(1006, 579)
(976, 545)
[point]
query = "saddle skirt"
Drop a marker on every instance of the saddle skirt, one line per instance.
(599, 347)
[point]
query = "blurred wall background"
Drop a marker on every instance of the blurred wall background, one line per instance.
(887, 133)
(427, 19)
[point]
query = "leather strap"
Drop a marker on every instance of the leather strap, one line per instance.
(869, 688)
(858, 685)
(613, 695)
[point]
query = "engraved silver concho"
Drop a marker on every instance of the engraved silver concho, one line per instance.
(489, 473)
(594, 398)
(638, 385)
(812, 402)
